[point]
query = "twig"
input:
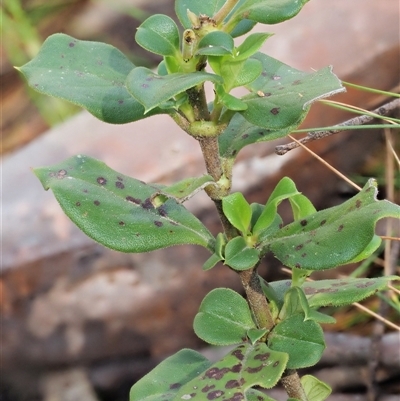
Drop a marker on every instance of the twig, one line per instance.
(359, 120)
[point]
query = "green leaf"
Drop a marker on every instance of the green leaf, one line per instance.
(269, 11)
(224, 318)
(240, 73)
(204, 7)
(251, 45)
(229, 101)
(282, 95)
(334, 236)
(285, 189)
(89, 74)
(152, 90)
(215, 43)
(345, 291)
(302, 340)
(315, 389)
(301, 206)
(159, 34)
(242, 27)
(241, 369)
(217, 256)
(254, 335)
(239, 255)
(237, 211)
(182, 190)
(163, 382)
(115, 210)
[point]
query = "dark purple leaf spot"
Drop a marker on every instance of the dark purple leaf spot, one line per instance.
(145, 86)
(237, 397)
(96, 202)
(364, 285)
(303, 255)
(206, 389)
(232, 384)
(244, 136)
(297, 265)
(254, 370)
(158, 223)
(121, 223)
(275, 111)
(120, 178)
(175, 385)
(358, 203)
(133, 200)
(85, 191)
(340, 228)
(238, 354)
(263, 357)
(61, 174)
(215, 373)
(236, 368)
(296, 82)
(303, 222)
(322, 222)
(264, 74)
(275, 364)
(298, 247)
(71, 44)
(101, 180)
(147, 204)
(78, 203)
(213, 395)
(119, 185)
(276, 77)
(120, 101)
(162, 211)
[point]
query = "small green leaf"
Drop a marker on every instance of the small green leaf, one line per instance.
(163, 382)
(241, 369)
(204, 7)
(315, 389)
(115, 210)
(345, 291)
(301, 206)
(334, 236)
(239, 255)
(229, 101)
(183, 190)
(302, 340)
(215, 43)
(152, 90)
(255, 334)
(282, 95)
(159, 34)
(217, 256)
(251, 45)
(224, 318)
(237, 211)
(242, 27)
(89, 74)
(268, 11)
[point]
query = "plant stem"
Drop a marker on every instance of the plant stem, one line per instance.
(224, 11)
(292, 384)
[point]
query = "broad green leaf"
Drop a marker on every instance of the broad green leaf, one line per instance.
(282, 95)
(242, 27)
(268, 11)
(285, 189)
(218, 254)
(89, 74)
(153, 90)
(315, 389)
(159, 34)
(115, 210)
(164, 381)
(182, 190)
(224, 318)
(215, 43)
(344, 291)
(229, 101)
(237, 211)
(239, 255)
(302, 340)
(230, 378)
(240, 73)
(334, 236)
(251, 45)
(204, 7)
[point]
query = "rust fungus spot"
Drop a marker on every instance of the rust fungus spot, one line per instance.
(267, 94)
(206, 389)
(322, 222)
(120, 178)
(244, 136)
(119, 185)
(61, 174)
(216, 373)
(101, 180)
(298, 247)
(78, 203)
(162, 211)
(133, 200)
(147, 204)
(213, 395)
(254, 370)
(238, 354)
(297, 265)
(303, 255)
(358, 203)
(71, 44)
(96, 202)
(158, 223)
(303, 222)
(275, 111)
(120, 101)
(340, 228)
(263, 357)
(121, 223)
(236, 368)
(175, 385)
(275, 364)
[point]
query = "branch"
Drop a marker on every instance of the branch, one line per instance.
(359, 120)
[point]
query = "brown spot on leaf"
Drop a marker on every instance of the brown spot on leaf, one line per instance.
(78, 203)
(213, 395)
(232, 384)
(275, 364)
(275, 111)
(206, 389)
(101, 181)
(340, 228)
(358, 203)
(238, 354)
(216, 373)
(71, 44)
(96, 202)
(175, 385)
(322, 222)
(120, 101)
(158, 223)
(61, 174)
(296, 82)
(298, 247)
(303, 222)
(119, 185)
(254, 370)
(121, 223)
(297, 265)
(244, 136)
(133, 200)
(263, 357)
(303, 255)
(147, 204)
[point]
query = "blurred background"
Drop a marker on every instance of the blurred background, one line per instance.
(79, 321)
